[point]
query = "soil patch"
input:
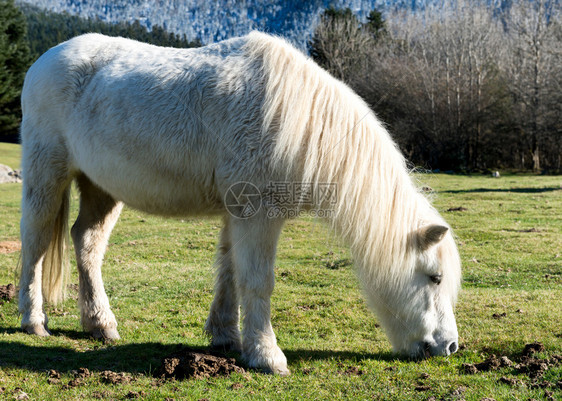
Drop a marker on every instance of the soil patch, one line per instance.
(198, 364)
(532, 348)
(102, 395)
(110, 377)
(334, 264)
(528, 364)
(236, 386)
(81, 373)
(499, 315)
(54, 376)
(529, 230)
(7, 292)
(9, 246)
(457, 209)
(131, 395)
(510, 381)
(80, 377)
(307, 371)
(350, 370)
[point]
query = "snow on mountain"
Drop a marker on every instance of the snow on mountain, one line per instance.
(211, 21)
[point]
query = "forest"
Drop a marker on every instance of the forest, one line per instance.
(26, 32)
(461, 85)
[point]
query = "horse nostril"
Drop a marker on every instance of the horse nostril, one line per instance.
(453, 347)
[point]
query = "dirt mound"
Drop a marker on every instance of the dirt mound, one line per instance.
(491, 363)
(7, 292)
(80, 377)
(110, 377)
(54, 376)
(532, 348)
(9, 246)
(198, 364)
(529, 364)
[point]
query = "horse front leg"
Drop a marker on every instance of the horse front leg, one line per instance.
(223, 323)
(98, 214)
(253, 253)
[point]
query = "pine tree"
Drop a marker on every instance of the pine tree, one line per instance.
(14, 61)
(376, 24)
(46, 29)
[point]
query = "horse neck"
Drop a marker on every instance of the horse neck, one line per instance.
(319, 131)
(378, 205)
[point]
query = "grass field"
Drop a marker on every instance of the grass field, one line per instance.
(10, 155)
(159, 279)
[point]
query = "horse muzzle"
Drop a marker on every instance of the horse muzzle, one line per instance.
(425, 349)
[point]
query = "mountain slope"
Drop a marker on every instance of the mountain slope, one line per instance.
(214, 21)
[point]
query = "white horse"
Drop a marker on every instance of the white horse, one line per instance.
(170, 131)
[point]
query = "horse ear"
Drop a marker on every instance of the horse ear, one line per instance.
(430, 235)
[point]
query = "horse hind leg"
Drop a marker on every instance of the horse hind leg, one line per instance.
(90, 233)
(224, 318)
(44, 221)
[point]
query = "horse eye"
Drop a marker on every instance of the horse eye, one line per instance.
(436, 278)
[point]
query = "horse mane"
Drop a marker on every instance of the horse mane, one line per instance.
(325, 133)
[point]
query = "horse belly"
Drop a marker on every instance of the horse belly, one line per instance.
(168, 190)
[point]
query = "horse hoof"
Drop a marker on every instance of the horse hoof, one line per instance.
(282, 372)
(107, 335)
(273, 362)
(38, 330)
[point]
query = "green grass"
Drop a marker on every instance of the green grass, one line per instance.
(10, 154)
(159, 280)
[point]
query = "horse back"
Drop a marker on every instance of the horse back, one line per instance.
(164, 130)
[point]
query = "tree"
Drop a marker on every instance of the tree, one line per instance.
(14, 61)
(535, 72)
(435, 80)
(46, 29)
(461, 85)
(339, 43)
(376, 24)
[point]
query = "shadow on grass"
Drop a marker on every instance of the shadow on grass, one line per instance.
(143, 358)
(133, 358)
(515, 190)
(295, 356)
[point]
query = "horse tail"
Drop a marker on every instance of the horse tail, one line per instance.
(56, 266)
